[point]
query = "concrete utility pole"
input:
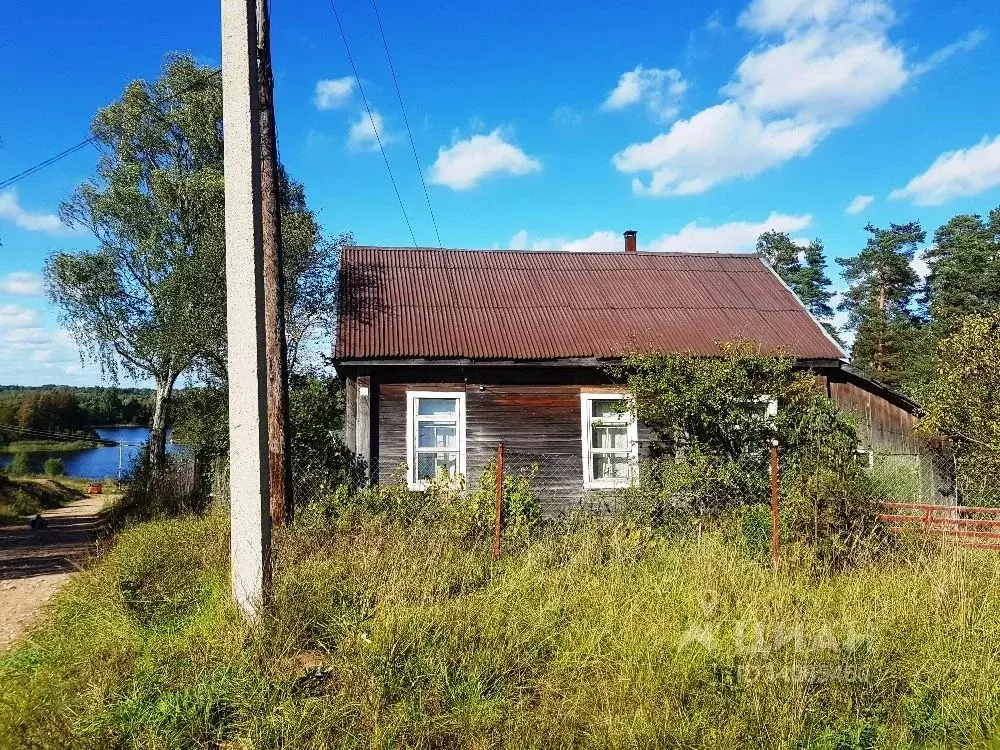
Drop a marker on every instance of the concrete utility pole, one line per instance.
(250, 545)
(279, 458)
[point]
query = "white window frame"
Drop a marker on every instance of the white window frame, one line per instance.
(589, 482)
(412, 420)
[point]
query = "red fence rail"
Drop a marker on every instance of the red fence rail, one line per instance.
(950, 521)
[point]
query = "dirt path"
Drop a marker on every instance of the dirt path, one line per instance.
(35, 563)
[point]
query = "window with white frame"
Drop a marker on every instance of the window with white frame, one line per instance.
(610, 441)
(435, 435)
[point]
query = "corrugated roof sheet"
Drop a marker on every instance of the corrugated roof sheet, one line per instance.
(528, 305)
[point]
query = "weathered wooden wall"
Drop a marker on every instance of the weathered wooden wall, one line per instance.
(538, 422)
(887, 426)
(535, 412)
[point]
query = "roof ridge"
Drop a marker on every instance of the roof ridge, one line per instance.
(602, 253)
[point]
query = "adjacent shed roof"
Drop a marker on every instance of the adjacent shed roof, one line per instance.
(399, 303)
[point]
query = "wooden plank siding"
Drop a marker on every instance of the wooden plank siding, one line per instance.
(535, 412)
(886, 426)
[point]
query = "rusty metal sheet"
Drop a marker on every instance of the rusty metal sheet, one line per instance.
(528, 305)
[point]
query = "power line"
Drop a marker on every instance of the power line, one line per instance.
(371, 118)
(406, 120)
(93, 140)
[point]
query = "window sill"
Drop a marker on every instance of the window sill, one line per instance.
(608, 485)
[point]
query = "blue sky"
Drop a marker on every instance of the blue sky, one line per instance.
(537, 125)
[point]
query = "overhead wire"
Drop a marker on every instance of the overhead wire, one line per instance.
(371, 118)
(406, 121)
(93, 140)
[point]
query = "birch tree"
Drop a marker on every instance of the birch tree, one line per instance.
(155, 207)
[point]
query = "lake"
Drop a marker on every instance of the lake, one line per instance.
(96, 463)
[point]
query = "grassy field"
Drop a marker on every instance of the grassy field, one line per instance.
(26, 496)
(606, 636)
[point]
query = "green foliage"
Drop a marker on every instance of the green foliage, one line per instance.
(201, 419)
(172, 493)
(72, 410)
(446, 504)
(803, 269)
(316, 415)
(964, 277)
(138, 302)
(880, 300)
(54, 467)
(713, 431)
(391, 636)
(715, 405)
(962, 402)
(27, 496)
(19, 465)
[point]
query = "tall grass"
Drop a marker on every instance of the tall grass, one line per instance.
(606, 635)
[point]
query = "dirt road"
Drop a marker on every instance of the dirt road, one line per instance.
(35, 563)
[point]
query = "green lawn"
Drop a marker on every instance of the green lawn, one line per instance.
(604, 636)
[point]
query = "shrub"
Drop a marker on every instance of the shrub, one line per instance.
(19, 465)
(445, 503)
(54, 467)
(150, 496)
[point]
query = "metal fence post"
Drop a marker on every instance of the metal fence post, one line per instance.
(775, 539)
(498, 524)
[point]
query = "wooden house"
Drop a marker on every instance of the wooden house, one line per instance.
(447, 353)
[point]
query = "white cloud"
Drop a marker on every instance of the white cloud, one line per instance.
(14, 318)
(731, 237)
(955, 174)
(660, 90)
(333, 93)
(12, 210)
(790, 15)
(465, 164)
(859, 203)
(362, 135)
(36, 353)
(20, 282)
(597, 242)
(828, 75)
(821, 65)
(920, 265)
(966, 44)
(718, 144)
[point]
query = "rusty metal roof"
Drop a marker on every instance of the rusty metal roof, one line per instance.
(404, 303)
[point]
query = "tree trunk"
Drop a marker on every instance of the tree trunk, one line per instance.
(158, 428)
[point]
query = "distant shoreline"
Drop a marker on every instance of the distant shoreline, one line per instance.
(49, 446)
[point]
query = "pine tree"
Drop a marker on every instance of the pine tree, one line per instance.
(881, 300)
(964, 277)
(781, 253)
(803, 269)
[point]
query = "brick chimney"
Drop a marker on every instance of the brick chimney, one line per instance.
(630, 236)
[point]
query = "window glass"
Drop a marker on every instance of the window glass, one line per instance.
(437, 407)
(609, 437)
(611, 465)
(430, 465)
(433, 435)
(606, 408)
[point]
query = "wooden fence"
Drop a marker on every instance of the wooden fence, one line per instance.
(970, 526)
